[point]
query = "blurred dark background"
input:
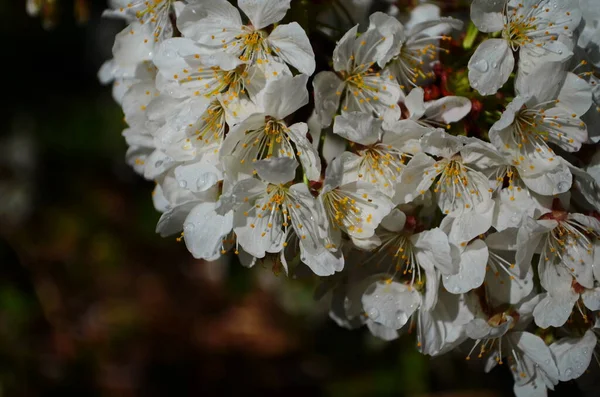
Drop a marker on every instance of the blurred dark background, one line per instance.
(94, 303)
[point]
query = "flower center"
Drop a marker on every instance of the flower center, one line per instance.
(343, 211)
(381, 164)
(569, 242)
(211, 127)
(267, 141)
(517, 30)
(456, 186)
(252, 45)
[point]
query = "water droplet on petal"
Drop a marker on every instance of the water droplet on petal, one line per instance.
(568, 372)
(183, 184)
(562, 186)
(373, 313)
(481, 66)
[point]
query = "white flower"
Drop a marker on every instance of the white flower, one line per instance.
(390, 308)
(352, 206)
(567, 244)
(150, 24)
(501, 337)
(189, 128)
(185, 70)
(529, 124)
(461, 191)
(379, 149)
(358, 85)
(217, 27)
(414, 48)
(540, 29)
(270, 210)
(266, 135)
(420, 255)
(516, 190)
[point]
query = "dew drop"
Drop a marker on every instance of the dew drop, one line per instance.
(188, 227)
(495, 65)
(568, 372)
(481, 66)
(158, 164)
(183, 184)
(373, 313)
(562, 187)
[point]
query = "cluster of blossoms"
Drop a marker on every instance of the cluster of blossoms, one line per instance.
(458, 203)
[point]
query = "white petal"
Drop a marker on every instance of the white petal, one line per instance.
(449, 109)
(309, 157)
(591, 299)
(393, 31)
(554, 311)
(434, 243)
(201, 21)
(171, 222)
(535, 388)
(133, 45)
(327, 87)
(278, 170)
(263, 13)
(337, 170)
(156, 164)
(415, 103)
(411, 182)
(573, 355)
(481, 329)
(529, 236)
(390, 304)
(470, 224)
(575, 95)
(358, 127)
(395, 221)
(490, 66)
(198, 177)
(323, 262)
(442, 329)
(471, 272)
(204, 230)
(343, 50)
(549, 182)
(439, 143)
(382, 332)
(537, 351)
(487, 15)
(505, 287)
(290, 43)
(285, 95)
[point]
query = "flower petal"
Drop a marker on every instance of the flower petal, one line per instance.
(290, 43)
(327, 87)
(490, 66)
(263, 13)
(487, 15)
